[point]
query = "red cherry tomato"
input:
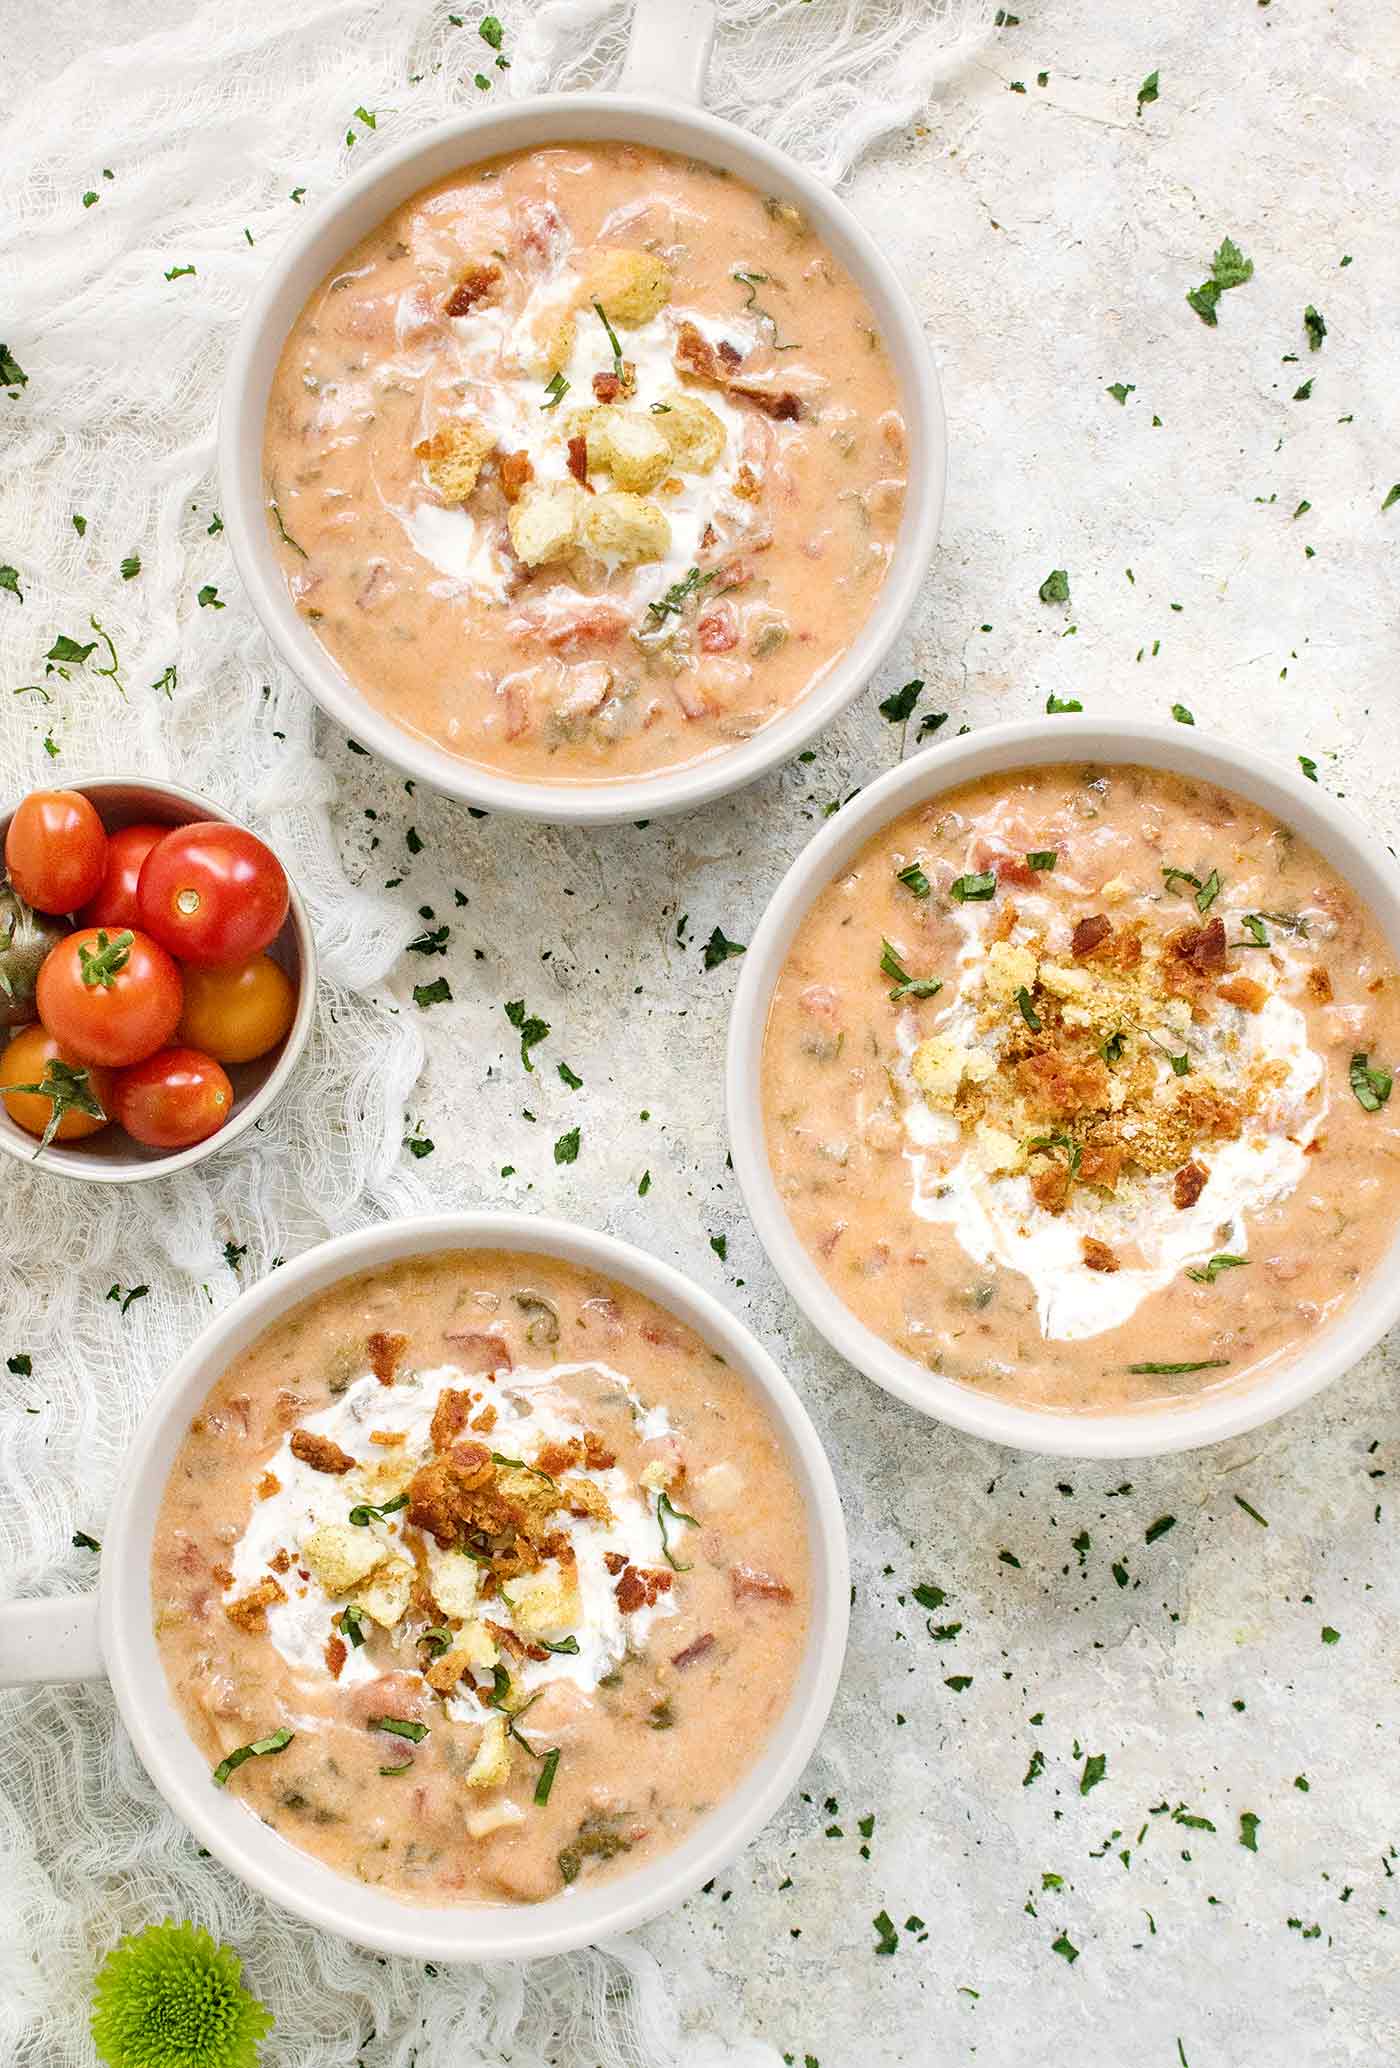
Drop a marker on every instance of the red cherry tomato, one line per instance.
(173, 1098)
(56, 850)
(212, 893)
(115, 904)
(109, 997)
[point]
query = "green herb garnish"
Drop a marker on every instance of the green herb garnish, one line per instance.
(1055, 587)
(1112, 1049)
(1206, 1274)
(1370, 1084)
(1171, 1371)
(285, 535)
(719, 948)
(547, 1773)
(365, 1512)
(556, 391)
(1055, 706)
(973, 890)
(68, 1088)
(260, 1747)
(666, 1510)
(1043, 858)
(679, 594)
(753, 281)
(519, 1465)
(914, 879)
(399, 1727)
(612, 338)
(530, 1028)
(905, 986)
(1028, 1011)
(352, 1622)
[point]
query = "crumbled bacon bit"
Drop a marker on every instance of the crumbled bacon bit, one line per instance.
(479, 1352)
(1099, 1166)
(517, 472)
(730, 354)
(1060, 1085)
(1050, 1186)
(779, 403)
(384, 1354)
(320, 1453)
(390, 1439)
(630, 1590)
(694, 1651)
(748, 1583)
(596, 1454)
(1244, 992)
(607, 387)
(717, 631)
(1188, 1185)
(450, 1417)
(560, 1456)
(267, 1486)
(282, 1562)
(222, 1574)
(445, 1672)
(1201, 948)
(249, 1612)
(1089, 933)
(747, 484)
(696, 356)
(474, 286)
(578, 460)
(615, 1561)
(1097, 1255)
(1319, 985)
(336, 1655)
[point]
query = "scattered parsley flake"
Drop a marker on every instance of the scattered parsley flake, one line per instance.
(570, 1077)
(1159, 1528)
(131, 567)
(1056, 705)
(12, 374)
(1182, 715)
(1308, 766)
(9, 579)
(566, 1148)
(1147, 92)
(886, 1937)
(718, 949)
(1304, 393)
(1055, 587)
(1066, 1948)
(899, 707)
(1315, 327)
(1249, 1831)
(1095, 1767)
(179, 272)
(1120, 391)
(531, 1029)
(1370, 1083)
(439, 992)
(208, 598)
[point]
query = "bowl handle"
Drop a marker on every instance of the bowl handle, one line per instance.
(49, 1640)
(668, 50)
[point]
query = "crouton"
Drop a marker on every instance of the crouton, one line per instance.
(386, 1597)
(582, 1497)
(481, 1823)
(629, 447)
(491, 1765)
(632, 286)
(660, 1475)
(1188, 1185)
(998, 1151)
(249, 1612)
(938, 1065)
(551, 346)
(1089, 933)
(548, 1606)
(624, 529)
(340, 1555)
(453, 457)
(544, 522)
(1050, 1186)
(450, 1417)
(320, 1453)
(1065, 983)
(691, 429)
(453, 1580)
(1100, 1166)
(1319, 985)
(1008, 970)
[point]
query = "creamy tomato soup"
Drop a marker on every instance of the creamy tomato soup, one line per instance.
(586, 463)
(480, 1576)
(1075, 1086)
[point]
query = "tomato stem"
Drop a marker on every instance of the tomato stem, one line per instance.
(100, 966)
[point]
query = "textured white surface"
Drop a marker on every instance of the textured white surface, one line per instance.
(1049, 238)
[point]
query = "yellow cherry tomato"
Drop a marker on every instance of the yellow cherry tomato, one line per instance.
(56, 1114)
(236, 1011)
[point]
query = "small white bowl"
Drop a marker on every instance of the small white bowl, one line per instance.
(665, 70)
(112, 1157)
(109, 1633)
(1359, 856)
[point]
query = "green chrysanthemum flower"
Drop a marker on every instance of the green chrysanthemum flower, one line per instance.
(168, 1997)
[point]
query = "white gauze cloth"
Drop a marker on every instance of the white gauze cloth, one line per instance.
(207, 120)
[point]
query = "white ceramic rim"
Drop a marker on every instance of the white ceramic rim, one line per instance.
(65, 1162)
(1342, 839)
(304, 1885)
(364, 201)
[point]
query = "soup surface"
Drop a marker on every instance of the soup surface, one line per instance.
(498, 1569)
(586, 463)
(1075, 1087)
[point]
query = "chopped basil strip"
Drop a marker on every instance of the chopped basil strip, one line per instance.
(1169, 1371)
(612, 339)
(1254, 926)
(664, 1510)
(519, 1464)
(405, 1768)
(1028, 1011)
(364, 1513)
(438, 1640)
(567, 1645)
(1208, 1273)
(973, 890)
(546, 1779)
(1112, 1049)
(679, 594)
(1209, 891)
(1371, 1085)
(1171, 877)
(1043, 858)
(555, 392)
(913, 878)
(905, 986)
(352, 1622)
(278, 1742)
(400, 1727)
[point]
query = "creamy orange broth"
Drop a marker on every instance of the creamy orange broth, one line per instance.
(1123, 1134)
(520, 1442)
(732, 504)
